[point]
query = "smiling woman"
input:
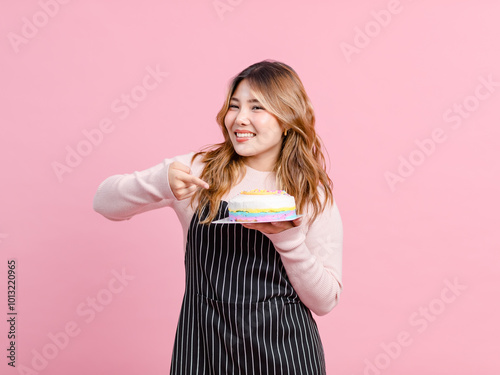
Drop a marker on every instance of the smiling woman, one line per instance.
(250, 288)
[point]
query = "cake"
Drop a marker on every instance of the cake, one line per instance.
(261, 205)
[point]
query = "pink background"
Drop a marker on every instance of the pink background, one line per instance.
(404, 243)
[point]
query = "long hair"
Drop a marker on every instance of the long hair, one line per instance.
(300, 168)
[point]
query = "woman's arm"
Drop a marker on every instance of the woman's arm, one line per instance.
(313, 259)
(120, 197)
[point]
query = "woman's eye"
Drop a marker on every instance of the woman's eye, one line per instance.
(233, 106)
(257, 107)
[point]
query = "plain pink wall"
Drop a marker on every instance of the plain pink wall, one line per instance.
(406, 96)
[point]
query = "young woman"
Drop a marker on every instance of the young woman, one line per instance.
(250, 288)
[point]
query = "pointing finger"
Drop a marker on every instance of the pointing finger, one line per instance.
(198, 181)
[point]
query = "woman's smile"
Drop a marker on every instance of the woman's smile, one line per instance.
(243, 135)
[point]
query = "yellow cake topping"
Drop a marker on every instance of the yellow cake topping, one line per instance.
(263, 192)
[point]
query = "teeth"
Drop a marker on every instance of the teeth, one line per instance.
(245, 135)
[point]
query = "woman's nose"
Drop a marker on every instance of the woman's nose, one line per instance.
(242, 118)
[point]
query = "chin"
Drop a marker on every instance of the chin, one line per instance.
(243, 154)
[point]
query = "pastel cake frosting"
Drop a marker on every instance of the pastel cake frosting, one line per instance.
(261, 205)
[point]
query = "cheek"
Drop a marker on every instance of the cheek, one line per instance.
(276, 130)
(273, 126)
(228, 121)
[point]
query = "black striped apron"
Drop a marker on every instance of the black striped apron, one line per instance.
(240, 314)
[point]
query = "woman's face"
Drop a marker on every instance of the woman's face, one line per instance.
(255, 133)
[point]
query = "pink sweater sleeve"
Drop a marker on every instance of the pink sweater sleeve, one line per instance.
(120, 197)
(312, 257)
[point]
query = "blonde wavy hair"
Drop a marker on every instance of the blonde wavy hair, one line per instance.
(300, 168)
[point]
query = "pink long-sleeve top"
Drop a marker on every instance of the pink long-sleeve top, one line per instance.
(311, 253)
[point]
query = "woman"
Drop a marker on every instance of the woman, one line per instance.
(250, 288)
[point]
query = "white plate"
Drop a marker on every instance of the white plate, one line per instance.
(226, 221)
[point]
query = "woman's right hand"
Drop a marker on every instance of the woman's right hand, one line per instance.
(182, 183)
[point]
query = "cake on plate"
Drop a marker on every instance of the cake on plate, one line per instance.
(261, 205)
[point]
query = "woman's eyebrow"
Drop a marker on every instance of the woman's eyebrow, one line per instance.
(249, 101)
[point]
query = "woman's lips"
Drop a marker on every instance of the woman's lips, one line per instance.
(244, 136)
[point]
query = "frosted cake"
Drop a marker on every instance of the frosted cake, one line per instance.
(261, 205)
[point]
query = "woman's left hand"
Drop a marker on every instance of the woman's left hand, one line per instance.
(275, 226)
